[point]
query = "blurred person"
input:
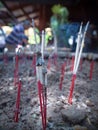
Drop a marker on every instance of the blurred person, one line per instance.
(34, 36)
(49, 40)
(2, 37)
(7, 29)
(91, 40)
(31, 36)
(17, 35)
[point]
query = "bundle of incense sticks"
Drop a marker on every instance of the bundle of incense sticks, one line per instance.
(42, 83)
(43, 103)
(79, 48)
(42, 91)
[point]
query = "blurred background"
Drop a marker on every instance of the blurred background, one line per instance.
(61, 16)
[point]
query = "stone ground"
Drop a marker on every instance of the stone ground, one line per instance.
(81, 115)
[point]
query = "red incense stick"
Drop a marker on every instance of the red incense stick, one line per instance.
(72, 63)
(45, 107)
(91, 69)
(16, 118)
(42, 99)
(72, 88)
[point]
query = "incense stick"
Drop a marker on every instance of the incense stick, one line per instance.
(78, 46)
(16, 118)
(43, 44)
